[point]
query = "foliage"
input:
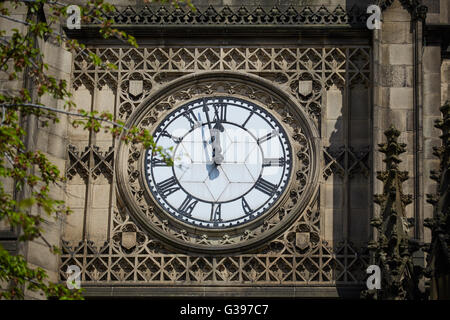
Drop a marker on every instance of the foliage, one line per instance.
(31, 171)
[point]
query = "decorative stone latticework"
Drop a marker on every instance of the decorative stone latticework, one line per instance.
(286, 67)
(90, 163)
(151, 15)
(358, 162)
(329, 86)
(438, 262)
(146, 261)
(393, 249)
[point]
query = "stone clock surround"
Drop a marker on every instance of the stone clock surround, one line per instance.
(135, 197)
(220, 171)
(118, 256)
(315, 256)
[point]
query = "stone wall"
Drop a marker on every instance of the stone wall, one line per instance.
(6, 233)
(393, 89)
(52, 142)
(360, 89)
(350, 130)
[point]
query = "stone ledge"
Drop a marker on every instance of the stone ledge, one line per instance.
(221, 291)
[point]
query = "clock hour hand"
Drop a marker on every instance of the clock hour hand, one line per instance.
(217, 149)
(215, 141)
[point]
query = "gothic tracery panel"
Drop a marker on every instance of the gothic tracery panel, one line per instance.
(304, 253)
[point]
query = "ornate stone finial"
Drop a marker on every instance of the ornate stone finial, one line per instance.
(393, 250)
(438, 261)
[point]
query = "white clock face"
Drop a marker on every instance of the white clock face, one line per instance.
(232, 162)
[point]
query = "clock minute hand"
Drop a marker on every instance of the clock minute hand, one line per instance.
(217, 156)
(211, 133)
(206, 110)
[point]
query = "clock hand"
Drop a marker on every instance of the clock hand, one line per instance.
(210, 167)
(205, 109)
(217, 149)
(205, 145)
(217, 156)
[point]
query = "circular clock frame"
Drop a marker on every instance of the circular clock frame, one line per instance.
(270, 201)
(136, 198)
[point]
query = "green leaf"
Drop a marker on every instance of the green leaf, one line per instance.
(26, 203)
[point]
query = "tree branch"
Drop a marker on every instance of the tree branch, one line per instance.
(14, 20)
(33, 105)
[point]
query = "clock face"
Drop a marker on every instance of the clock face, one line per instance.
(232, 162)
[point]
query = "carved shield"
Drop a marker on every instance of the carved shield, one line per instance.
(302, 240)
(128, 239)
(136, 87)
(305, 87)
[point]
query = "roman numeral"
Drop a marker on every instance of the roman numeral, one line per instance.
(206, 110)
(246, 207)
(158, 162)
(187, 206)
(274, 162)
(265, 187)
(192, 119)
(168, 135)
(216, 214)
(269, 136)
(220, 111)
(248, 118)
(167, 187)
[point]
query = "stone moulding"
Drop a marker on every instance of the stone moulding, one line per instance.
(240, 16)
(136, 198)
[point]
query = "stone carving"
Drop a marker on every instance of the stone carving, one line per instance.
(305, 88)
(394, 248)
(285, 67)
(280, 261)
(302, 240)
(135, 87)
(438, 261)
(128, 239)
(80, 162)
(132, 188)
(335, 161)
(242, 16)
